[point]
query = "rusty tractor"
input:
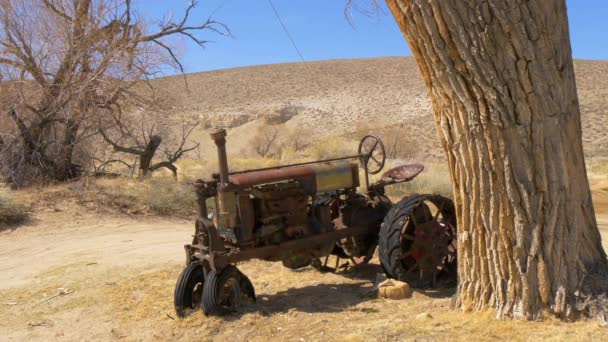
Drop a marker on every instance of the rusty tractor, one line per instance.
(302, 213)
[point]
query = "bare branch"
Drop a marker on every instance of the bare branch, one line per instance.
(171, 28)
(118, 148)
(370, 9)
(60, 12)
(170, 51)
(104, 164)
(165, 164)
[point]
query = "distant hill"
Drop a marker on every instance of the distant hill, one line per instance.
(342, 96)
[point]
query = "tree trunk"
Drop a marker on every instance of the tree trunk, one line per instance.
(501, 79)
(166, 164)
(145, 159)
(67, 169)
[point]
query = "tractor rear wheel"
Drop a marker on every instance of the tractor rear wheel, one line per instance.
(226, 291)
(188, 290)
(417, 241)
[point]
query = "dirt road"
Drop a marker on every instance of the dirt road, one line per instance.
(107, 242)
(111, 242)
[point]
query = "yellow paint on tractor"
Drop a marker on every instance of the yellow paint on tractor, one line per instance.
(329, 177)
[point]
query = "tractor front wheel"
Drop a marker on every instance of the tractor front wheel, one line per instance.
(188, 290)
(226, 291)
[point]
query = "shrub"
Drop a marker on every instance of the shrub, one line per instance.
(156, 195)
(11, 211)
(165, 196)
(332, 148)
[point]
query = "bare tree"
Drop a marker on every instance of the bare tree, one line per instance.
(501, 79)
(265, 140)
(297, 139)
(145, 141)
(65, 63)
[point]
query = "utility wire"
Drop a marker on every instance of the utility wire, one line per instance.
(276, 14)
(305, 65)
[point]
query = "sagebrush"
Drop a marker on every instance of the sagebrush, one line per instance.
(11, 210)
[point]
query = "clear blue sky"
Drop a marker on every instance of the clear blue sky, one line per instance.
(321, 31)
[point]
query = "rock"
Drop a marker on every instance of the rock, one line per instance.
(394, 289)
(424, 315)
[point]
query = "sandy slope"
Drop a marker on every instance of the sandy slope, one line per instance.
(339, 96)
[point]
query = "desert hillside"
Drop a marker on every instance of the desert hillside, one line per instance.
(342, 96)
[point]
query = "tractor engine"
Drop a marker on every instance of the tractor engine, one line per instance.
(281, 212)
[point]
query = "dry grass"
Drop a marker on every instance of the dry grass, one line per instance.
(304, 305)
(435, 179)
(12, 211)
(308, 305)
(155, 196)
(162, 195)
(597, 171)
(159, 195)
(332, 147)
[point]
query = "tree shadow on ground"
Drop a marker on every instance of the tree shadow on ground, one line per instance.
(13, 226)
(320, 298)
(361, 272)
(328, 297)
(445, 292)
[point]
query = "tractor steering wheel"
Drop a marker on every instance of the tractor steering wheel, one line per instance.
(372, 154)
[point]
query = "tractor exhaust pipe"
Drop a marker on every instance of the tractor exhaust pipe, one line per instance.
(219, 137)
(227, 211)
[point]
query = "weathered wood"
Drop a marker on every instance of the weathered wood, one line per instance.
(501, 80)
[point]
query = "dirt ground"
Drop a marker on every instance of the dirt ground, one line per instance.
(73, 276)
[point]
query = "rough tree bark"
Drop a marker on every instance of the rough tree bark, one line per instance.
(501, 79)
(145, 158)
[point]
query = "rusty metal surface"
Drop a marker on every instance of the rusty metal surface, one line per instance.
(323, 176)
(294, 245)
(404, 173)
(372, 152)
(219, 137)
(227, 209)
(294, 212)
(296, 164)
(300, 213)
(399, 174)
(247, 218)
(270, 176)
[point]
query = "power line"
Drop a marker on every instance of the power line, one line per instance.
(276, 14)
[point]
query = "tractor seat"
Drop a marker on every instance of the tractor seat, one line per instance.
(403, 173)
(399, 174)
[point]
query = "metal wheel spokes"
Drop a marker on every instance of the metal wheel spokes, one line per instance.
(226, 291)
(364, 259)
(372, 154)
(197, 295)
(428, 241)
(230, 293)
